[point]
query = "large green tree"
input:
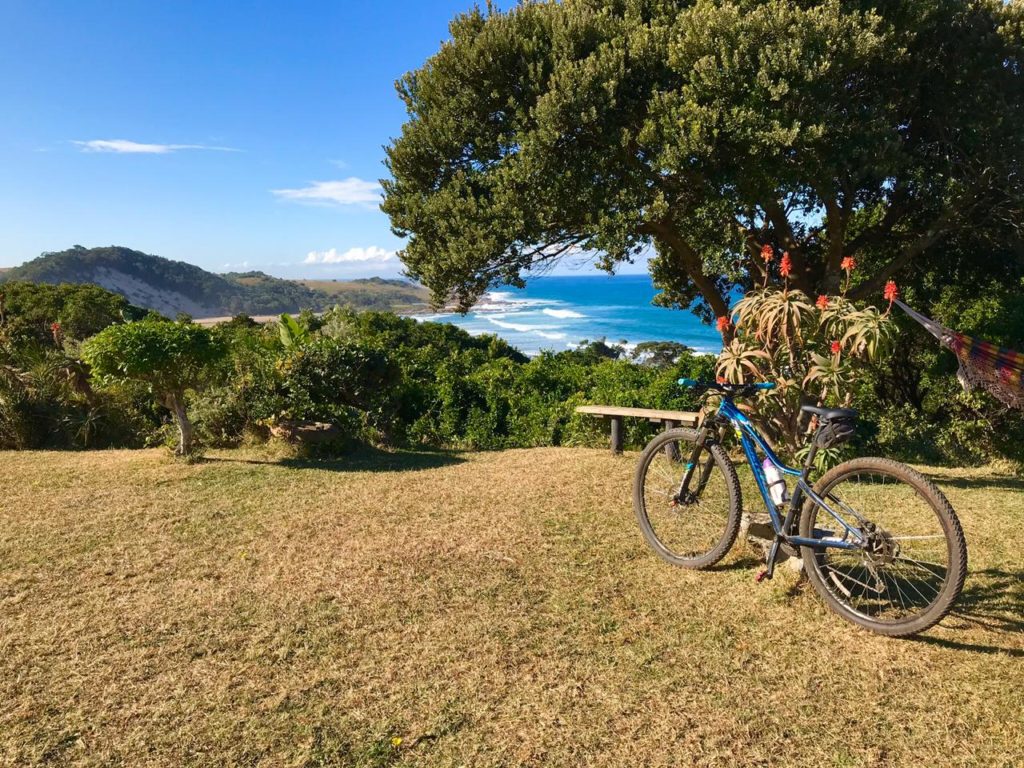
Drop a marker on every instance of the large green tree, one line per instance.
(708, 130)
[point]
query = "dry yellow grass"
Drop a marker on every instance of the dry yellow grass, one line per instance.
(479, 609)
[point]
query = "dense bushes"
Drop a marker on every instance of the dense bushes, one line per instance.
(47, 399)
(395, 381)
(392, 381)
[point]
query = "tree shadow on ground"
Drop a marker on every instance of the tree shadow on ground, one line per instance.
(992, 600)
(361, 460)
(995, 482)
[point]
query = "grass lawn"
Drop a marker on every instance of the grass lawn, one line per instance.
(470, 609)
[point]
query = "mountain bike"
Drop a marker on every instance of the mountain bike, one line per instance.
(880, 542)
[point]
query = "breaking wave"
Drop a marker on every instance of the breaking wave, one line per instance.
(563, 314)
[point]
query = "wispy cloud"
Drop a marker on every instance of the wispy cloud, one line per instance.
(350, 191)
(125, 147)
(351, 256)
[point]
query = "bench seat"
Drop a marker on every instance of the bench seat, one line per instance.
(615, 414)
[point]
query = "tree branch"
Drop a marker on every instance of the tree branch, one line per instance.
(897, 209)
(802, 277)
(836, 218)
(939, 227)
(752, 246)
(690, 260)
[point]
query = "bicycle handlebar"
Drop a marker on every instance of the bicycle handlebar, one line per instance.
(727, 388)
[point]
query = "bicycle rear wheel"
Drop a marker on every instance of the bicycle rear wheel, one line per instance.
(695, 531)
(913, 567)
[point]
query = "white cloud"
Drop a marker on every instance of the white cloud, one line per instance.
(351, 256)
(123, 146)
(350, 191)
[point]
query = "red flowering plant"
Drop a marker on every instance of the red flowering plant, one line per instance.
(786, 267)
(848, 264)
(891, 293)
(810, 349)
(768, 254)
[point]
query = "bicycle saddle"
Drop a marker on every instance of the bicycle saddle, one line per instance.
(830, 414)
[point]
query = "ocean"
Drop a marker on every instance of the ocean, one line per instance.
(558, 312)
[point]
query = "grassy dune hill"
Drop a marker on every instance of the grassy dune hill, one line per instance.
(373, 293)
(170, 287)
(432, 609)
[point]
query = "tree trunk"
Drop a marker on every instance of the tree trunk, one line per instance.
(176, 403)
(690, 262)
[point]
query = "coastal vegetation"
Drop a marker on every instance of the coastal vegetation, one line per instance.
(379, 293)
(81, 368)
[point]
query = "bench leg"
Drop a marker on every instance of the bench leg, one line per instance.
(671, 449)
(617, 440)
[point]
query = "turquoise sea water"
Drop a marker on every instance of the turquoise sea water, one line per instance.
(558, 312)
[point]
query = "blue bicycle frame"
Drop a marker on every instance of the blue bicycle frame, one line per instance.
(751, 441)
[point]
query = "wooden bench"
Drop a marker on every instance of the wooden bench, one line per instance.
(615, 414)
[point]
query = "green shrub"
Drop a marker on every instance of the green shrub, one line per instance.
(170, 359)
(389, 380)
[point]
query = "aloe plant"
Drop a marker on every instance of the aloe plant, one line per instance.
(810, 349)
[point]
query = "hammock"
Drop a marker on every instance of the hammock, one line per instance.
(996, 369)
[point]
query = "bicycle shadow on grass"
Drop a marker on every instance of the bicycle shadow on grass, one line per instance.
(742, 561)
(360, 460)
(993, 600)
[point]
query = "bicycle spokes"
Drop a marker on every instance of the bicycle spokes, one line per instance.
(904, 561)
(688, 513)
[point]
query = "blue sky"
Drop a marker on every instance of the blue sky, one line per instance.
(234, 136)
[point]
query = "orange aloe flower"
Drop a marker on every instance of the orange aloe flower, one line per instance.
(786, 265)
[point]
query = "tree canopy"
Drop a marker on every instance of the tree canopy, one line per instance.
(169, 358)
(709, 130)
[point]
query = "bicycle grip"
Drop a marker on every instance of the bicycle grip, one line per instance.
(687, 382)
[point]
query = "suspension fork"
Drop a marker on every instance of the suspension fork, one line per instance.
(691, 463)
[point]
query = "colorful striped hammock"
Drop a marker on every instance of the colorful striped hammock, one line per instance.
(996, 369)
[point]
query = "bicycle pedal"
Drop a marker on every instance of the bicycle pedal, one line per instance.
(765, 574)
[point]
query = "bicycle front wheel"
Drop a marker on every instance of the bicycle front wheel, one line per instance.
(912, 566)
(694, 530)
